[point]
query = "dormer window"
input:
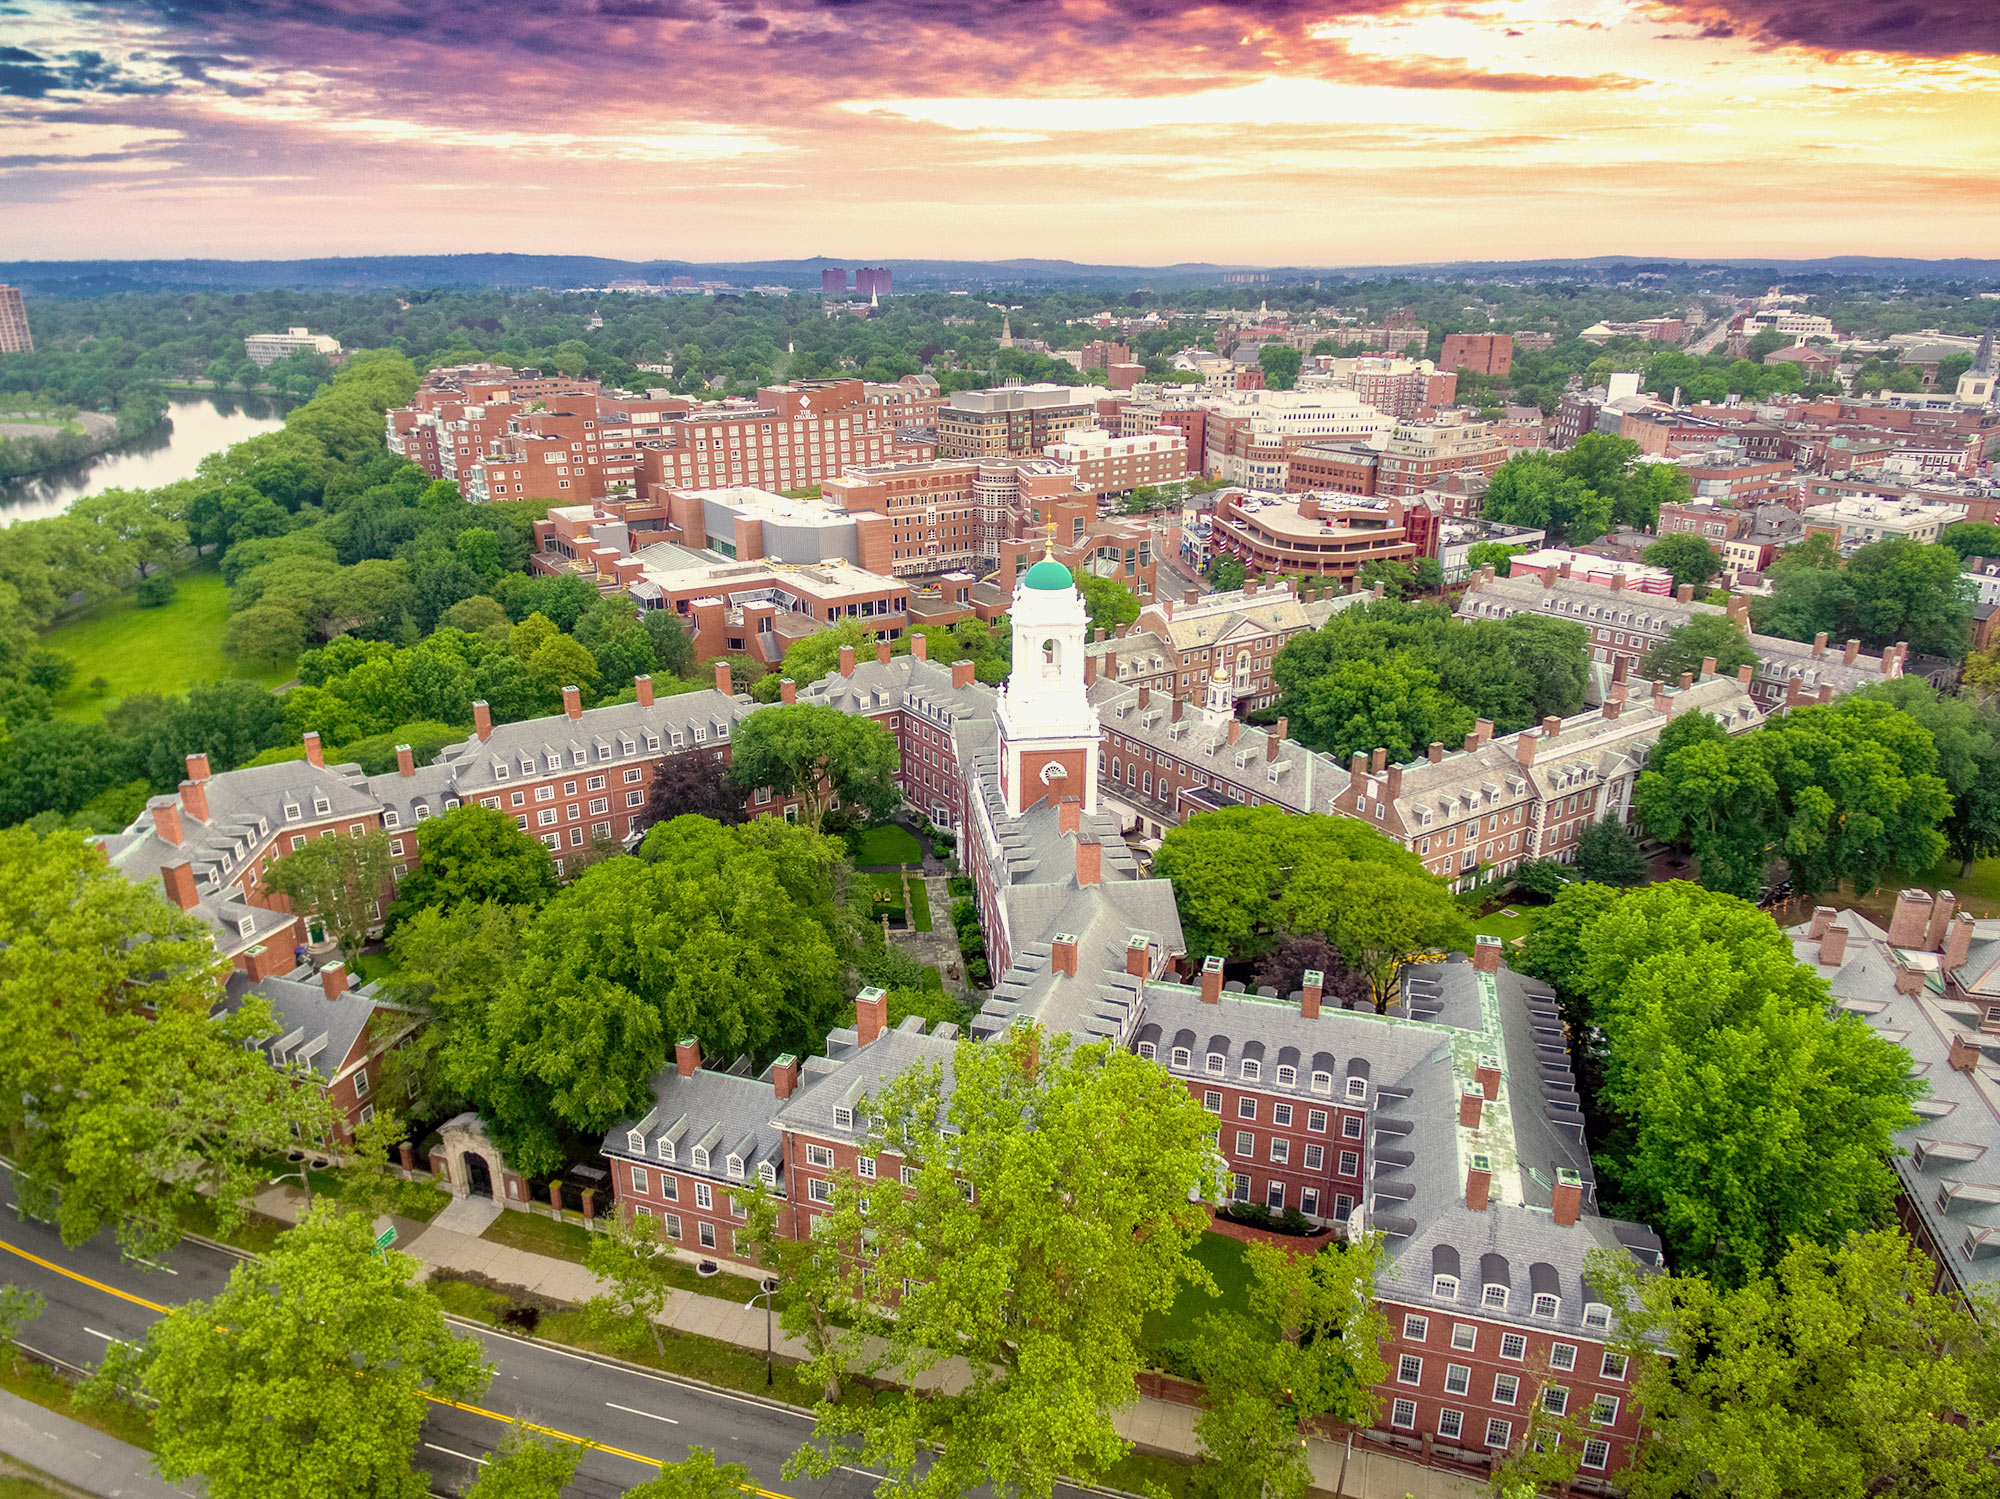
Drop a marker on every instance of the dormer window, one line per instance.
(735, 1167)
(1445, 1287)
(636, 1142)
(391, 817)
(700, 1158)
(843, 1117)
(1252, 1071)
(245, 925)
(321, 806)
(1596, 1315)
(1322, 1082)
(1547, 1305)
(1357, 1089)
(665, 1149)
(1288, 1077)
(1146, 1050)
(554, 759)
(1180, 1060)
(499, 771)
(1215, 1064)
(1494, 1297)
(423, 811)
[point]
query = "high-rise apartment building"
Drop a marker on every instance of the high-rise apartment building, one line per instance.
(871, 281)
(833, 281)
(14, 335)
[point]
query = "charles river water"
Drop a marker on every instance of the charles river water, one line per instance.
(200, 425)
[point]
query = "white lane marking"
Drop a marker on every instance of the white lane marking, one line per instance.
(153, 1265)
(461, 1456)
(647, 1414)
(104, 1335)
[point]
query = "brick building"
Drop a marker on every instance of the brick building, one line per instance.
(15, 338)
(1014, 421)
(1481, 353)
(1108, 465)
(1329, 536)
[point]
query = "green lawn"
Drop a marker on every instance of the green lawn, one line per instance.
(372, 968)
(920, 906)
(1223, 1257)
(568, 1240)
(885, 843)
(150, 650)
(12, 1487)
(42, 1386)
(1506, 927)
(888, 893)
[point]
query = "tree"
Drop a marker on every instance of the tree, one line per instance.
(525, 1467)
(1368, 705)
(673, 646)
(1226, 573)
(699, 1477)
(1555, 656)
(1691, 560)
(819, 755)
(1306, 1346)
(1536, 489)
(17, 1309)
(265, 633)
(1843, 1371)
(338, 881)
(474, 854)
(1599, 461)
(477, 615)
(1685, 647)
(1971, 539)
(1498, 555)
(1284, 968)
(1907, 591)
(1645, 489)
(1764, 343)
(640, 1276)
(1608, 854)
(697, 783)
(447, 966)
(1028, 1119)
(307, 1375)
(1109, 602)
(1280, 364)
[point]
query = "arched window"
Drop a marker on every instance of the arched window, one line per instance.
(1051, 658)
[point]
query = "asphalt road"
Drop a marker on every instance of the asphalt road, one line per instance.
(636, 1420)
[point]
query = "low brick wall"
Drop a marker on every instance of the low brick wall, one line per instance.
(1290, 1243)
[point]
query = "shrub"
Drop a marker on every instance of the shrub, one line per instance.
(157, 591)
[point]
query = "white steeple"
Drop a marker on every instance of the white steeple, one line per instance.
(1048, 726)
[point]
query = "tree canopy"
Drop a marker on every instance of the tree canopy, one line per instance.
(473, 854)
(1684, 554)
(1889, 592)
(821, 756)
(1685, 647)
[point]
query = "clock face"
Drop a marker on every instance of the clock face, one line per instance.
(1052, 772)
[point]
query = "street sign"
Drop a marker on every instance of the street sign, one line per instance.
(385, 1233)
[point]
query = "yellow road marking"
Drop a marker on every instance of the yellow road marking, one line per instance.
(475, 1410)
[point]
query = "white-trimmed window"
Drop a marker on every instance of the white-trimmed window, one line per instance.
(1562, 1356)
(819, 1189)
(1457, 1379)
(1445, 1287)
(1596, 1314)
(1513, 1346)
(1495, 1297)
(1246, 1143)
(1604, 1411)
(1350, 1163)
(1506, 1389)
(1596, 1453)
(1409, 1369)
(1316, 1121)
(1451, 1425)
(1465, 1336)
(1546, 1305)
(1555, 1400)
(1288, 1077)
(1403, 1414)
(1415, 1328)
(1215, 1062)
(864, 1167)
(1211, 1099)
(703, 1196)
(641, 1179)
(1613, 1366)
(1315, 1157)
(1322, 1082)
(1499, 1433)
(1281, 1115)
(1253, 1071)
(707, 1235)
(1246, 1107)
(820, 1156)
(1179, 1059)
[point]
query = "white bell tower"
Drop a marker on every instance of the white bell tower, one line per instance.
(1048, 727)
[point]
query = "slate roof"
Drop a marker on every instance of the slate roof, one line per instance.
(850, 1072)
(314, 1031)
(721, 1110)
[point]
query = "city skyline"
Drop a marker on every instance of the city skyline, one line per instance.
(1358, 132)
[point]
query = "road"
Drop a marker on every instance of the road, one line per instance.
(635, 1420)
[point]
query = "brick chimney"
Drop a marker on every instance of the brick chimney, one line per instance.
(1062, 954)
(1853, 650)
(406, 761)
(1819, 643)
(1687, 680)
(1486, 952)
(920, 646)
(1833, 945)
(1964, 1054)
(1910, 921)
(1618, 582)
(1613, 706)
(1524, 747)
(1282, 728)
(333, 979)
(724, 682)
(1567, 1203)
(1191, 596)
(1179, 704)
(1471, 742)
(1942, 910)
(1746, 674)
(961, 673)
(871, 1015)
(1685, 593)
(1486, 1072)
(785, 1075)
(1089, 862)
(687, 1056)
(1272, 742)
(788, 692)
(1312, 990)
(166, 812)
(572, 703)
(1958, 942)
(1211, 980)
(1069, 815)
(197, 764)
(482, 720)
(847, 660)
(1822, 917)
(314, 754)
(1708, 666)
(1395, 782)
(1145, 697)
(1470, 1102)
(1483, 730)
(194, 800)
(1378, 760)
(1436, 752)
(179, 880)
(1139, 956)
(1478, 1183)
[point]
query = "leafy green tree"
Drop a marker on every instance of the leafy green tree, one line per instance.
(1537, 489)
(308, 1375)
(1608, 854)
(1028, 1119)
(265, 633)
(1554, 654)
(1647, 487)
(1691, 560)
(1685, 647)
(1307, 1345)
(1553, 951)
(1599, 461)
(525, 1467)
(1971, 539)
(338, 881)
(447, 966)
(1363, 705)
(818, 1306)
(1226, 573)
(700, 1476)
(673, 646)
(640, 1275)
(478, 615)
(1968, 761)
(17, 1309)
(1109, 602)
(1908, 591)
(1498, 555)
(1280, 364)
(1843, 1372)
(59, 766)
(474, 854)
(818, 755)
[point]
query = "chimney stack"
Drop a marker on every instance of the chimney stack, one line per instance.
(1942, 910)
(333, 979)
(1062, 954)
(1483, 728)
(785, 1075)
(1819, 643)
(1958, 942)
(572, 703)
(166, 812)
(847, 660)
(724, 682)
(1395, 781)
(1211, 980)
(1089, 862)
(1853, 650)
(1687, 680)
(871, 1015)
(406, 761)
(1378, 760)
(197, 764)
(1139, 956)
(1911, 919)
(1436, 752)
(1833, 945)
(920, 646)
(1313, 989)
(179, 880)
(1745, 675)
(1470, 1102)
(788, 692)
(1069, 815)
(1478, 1183)
(1486, 1072)
(687, 1056)
(1524, 747)
(961, 673)
(1822, 917)
(1145, 697)
(315, 756)
(1567, 1203)
(194, 800)
(1685, 593)
(482, 720)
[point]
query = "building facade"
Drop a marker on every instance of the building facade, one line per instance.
(15, 337)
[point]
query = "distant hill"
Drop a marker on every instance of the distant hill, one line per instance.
(95, 278)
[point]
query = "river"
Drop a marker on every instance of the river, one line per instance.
(200, 425)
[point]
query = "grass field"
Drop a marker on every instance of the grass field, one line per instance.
(43, 1387)
(1223, 1258)
(539, 1235)
(920, 906)
(14, 1487)
(150, 650)
(886, 843)
(1506, 927)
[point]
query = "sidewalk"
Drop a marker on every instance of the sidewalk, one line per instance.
(1158, 1424)
(79, 1454)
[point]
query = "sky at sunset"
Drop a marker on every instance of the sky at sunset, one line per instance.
(1122, 131)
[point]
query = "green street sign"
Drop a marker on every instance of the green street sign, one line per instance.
(385, 1233)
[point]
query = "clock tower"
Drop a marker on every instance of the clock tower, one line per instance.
(1048, 727)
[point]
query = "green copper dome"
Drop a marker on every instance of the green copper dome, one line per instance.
(1049, 574)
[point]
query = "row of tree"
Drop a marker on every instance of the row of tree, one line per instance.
(1580, 493)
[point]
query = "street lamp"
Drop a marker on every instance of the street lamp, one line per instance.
(304, 1181)
(770, 1290)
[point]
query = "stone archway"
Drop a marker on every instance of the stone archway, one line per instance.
(470, 1164)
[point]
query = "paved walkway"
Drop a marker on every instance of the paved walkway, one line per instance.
(81, 1455)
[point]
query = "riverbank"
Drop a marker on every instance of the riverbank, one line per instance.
(37, 442)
